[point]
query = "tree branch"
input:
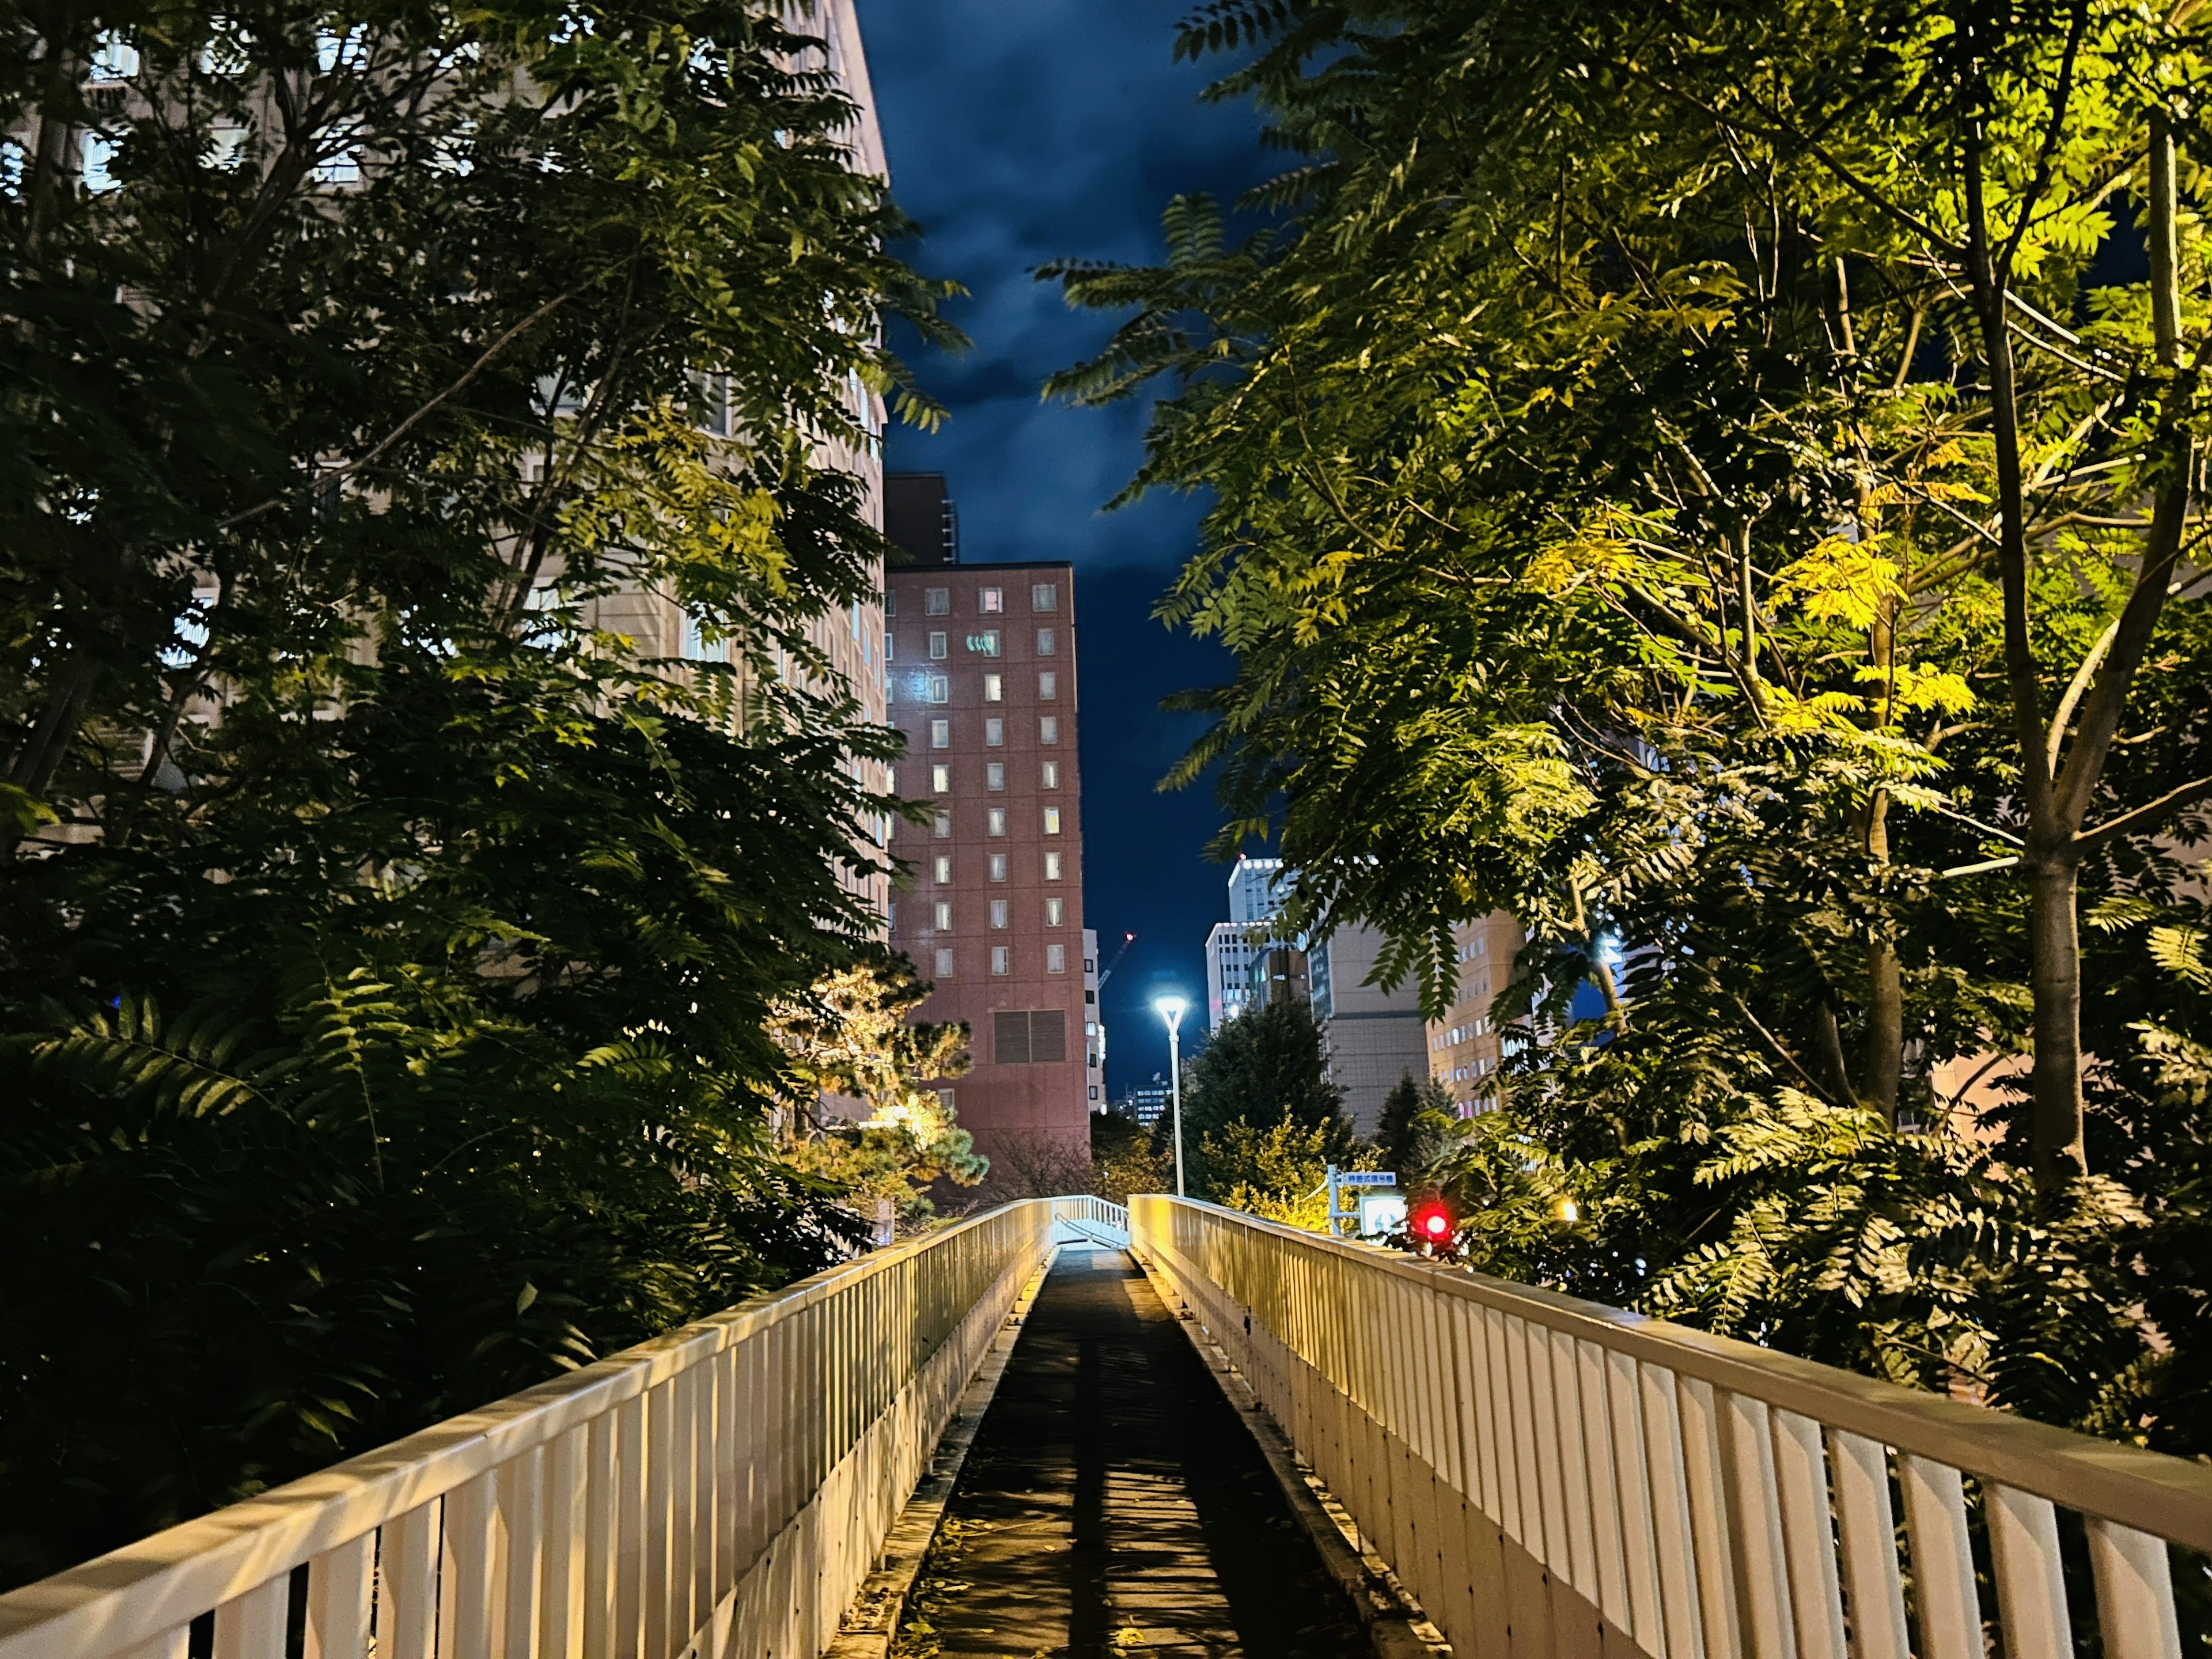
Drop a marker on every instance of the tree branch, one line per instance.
(2141, 817)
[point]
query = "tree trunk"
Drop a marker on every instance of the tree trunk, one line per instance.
(2055, 981)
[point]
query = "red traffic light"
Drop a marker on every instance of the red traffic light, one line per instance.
(1432, 1221)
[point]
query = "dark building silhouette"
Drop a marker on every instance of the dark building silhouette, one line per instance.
(920, 519)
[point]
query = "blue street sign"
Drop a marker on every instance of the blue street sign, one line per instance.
(1365, 1178)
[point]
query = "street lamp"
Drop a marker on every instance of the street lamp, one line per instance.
(1171, 1010)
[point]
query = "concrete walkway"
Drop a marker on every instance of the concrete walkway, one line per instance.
(1114, 1504)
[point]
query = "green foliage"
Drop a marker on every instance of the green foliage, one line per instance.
(851, 1037)
(1267, 1066)
(1279, 1172)
(392, 924)
(1124, 1159)
(1679, 480)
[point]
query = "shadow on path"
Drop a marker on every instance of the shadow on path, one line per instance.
(1112, 1504)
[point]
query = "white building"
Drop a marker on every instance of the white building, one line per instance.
(1254, 900)
(1094, 1027)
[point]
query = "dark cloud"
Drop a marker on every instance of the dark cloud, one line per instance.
(1022, 131)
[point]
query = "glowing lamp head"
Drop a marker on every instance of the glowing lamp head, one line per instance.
(1436, 1224)
(1569, 1211)
(1170, 1010)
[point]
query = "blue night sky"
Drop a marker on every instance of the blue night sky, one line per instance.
(1021, 131)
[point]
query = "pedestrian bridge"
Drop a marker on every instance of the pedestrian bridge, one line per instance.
(1544, 1476)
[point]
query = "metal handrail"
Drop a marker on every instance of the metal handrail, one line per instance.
(728, 1483)
(1522, 1456)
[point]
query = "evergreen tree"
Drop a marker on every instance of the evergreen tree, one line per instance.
(1267, 1066)
(1411, 1131)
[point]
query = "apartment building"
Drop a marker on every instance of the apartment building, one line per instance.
(982, 662)
(1464, 1046)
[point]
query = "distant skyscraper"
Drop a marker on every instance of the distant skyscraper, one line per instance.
(1375, 1036)
(1231, 947)
(982, 660)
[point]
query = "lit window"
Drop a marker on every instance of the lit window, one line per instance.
(944, 826)
(1055, 958)
(940, 734)
(944, 964)
(1047, 687)
(943, 917)
(995, 821)
(937, 647)
(937, 601)
(995, 774)
(985, 643)
(1044, 596)
(1049, 729)
(1052, 866)
(998, 867)
(1048, 775)
(1002, 959)
(994, 734)
(1052, 820)
(995, 688)
(1046, 644)
(1052, 909)
(941, 780)
(940, 690)
(944, 866)
(998, 913)
(990, 600)
(891, 648)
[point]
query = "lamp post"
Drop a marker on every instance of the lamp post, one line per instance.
(1171, 1010)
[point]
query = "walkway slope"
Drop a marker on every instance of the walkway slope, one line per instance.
(1113, 1503)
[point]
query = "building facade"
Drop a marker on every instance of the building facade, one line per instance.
(1375, 1036)
(1465, 1046)
(982, 663)
(1235, 946)
(1094, 1028)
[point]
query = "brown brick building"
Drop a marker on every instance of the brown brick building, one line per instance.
(983, 683)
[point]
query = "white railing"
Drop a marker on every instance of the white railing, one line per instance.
(1549, 1476)
(723, 1490)
(1090, 1220)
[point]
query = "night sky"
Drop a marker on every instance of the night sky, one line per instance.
(1021, 131)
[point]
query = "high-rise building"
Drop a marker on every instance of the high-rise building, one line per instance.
(1233, 946)
(1464, 1046)
(983, 685)
(920, 518)
(1375, 1036)
(852, 639)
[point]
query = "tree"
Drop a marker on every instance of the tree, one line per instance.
(851, 1036)
(1124, 1159)
(1493, 498)
(385, 1000)
(1279, 1172)
(1411, 1131)
(1268, 1065)
(1685, 481)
